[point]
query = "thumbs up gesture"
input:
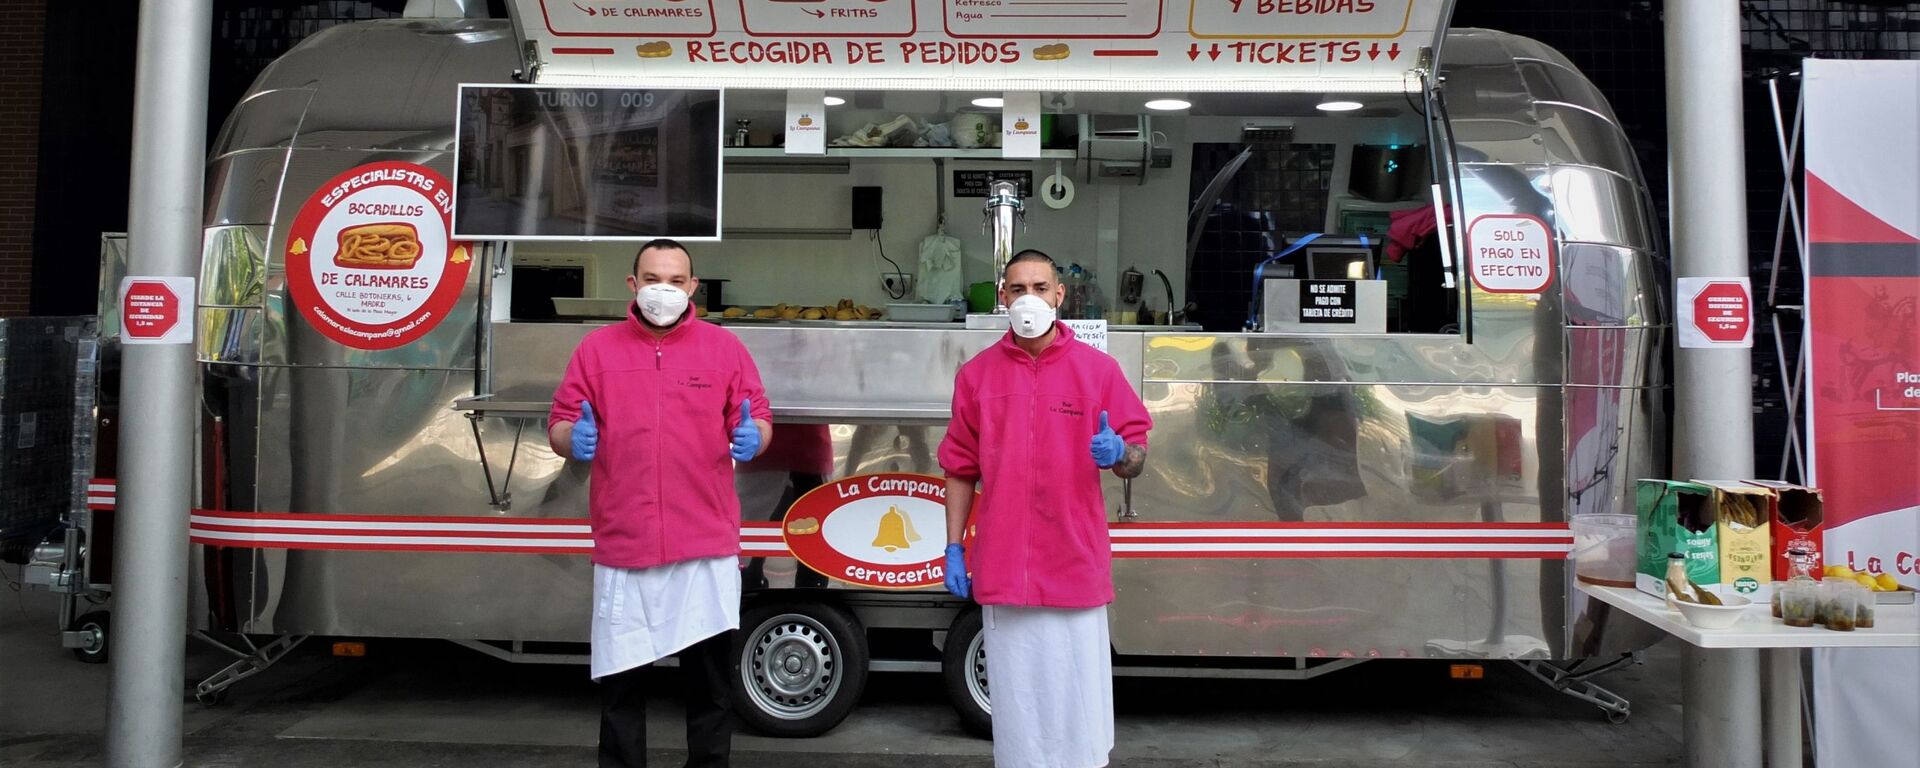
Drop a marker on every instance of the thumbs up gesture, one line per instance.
(746, 436)
(1107, 446)
(586, 434)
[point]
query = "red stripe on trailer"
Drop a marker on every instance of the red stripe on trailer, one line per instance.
(1341, 555)
(1124, 52)
(583, 51)
(373, 547)
(1558, 541)
(309, 517)
(414, 532)
(1544, 541)
(1358, 526)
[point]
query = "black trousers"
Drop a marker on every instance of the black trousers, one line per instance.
(703, 687)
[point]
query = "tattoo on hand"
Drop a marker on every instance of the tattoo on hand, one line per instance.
(1132, 463)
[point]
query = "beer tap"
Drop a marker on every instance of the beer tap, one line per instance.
(1002, 209)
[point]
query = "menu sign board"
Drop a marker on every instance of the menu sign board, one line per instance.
(1017, 44)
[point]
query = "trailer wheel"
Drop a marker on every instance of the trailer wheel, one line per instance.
(802, 668)
(94, 625)
(963, 662)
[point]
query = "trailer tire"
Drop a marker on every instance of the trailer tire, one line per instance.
(801, 668)
(96, 624)
(963, 664)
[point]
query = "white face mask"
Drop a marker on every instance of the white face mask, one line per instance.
(661, 304)
(1032, 316)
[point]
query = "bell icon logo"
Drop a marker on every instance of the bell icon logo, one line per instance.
(896, 531)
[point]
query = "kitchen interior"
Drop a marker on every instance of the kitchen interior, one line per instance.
(1160, 210)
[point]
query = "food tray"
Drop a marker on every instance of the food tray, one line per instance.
(921, 313)
(1902, 596)
(577, 307)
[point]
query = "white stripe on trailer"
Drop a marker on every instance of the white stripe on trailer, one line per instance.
(322, 522)
(407, 541)
(1332, 547)
(1120, 532)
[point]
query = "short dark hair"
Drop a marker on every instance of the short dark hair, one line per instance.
(1031, 254)
(658, 242)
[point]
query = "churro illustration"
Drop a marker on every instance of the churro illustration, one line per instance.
(378, 246)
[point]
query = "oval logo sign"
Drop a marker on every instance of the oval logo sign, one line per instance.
(887, 530)
(369, 261)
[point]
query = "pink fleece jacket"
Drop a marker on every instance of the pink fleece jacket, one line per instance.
(662, 483)
(1022, 426)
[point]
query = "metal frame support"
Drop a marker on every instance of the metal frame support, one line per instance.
(1792, 370)
(1713, 396)
(252, 661)
(1574, 681)
(144, 707)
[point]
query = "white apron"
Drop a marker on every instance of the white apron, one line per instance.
(1050, 677)
(642, 615)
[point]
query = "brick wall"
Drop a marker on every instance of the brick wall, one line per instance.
(21, 42)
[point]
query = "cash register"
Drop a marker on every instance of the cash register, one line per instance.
(1324, 284)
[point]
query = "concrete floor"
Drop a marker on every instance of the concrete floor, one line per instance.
(419, 703)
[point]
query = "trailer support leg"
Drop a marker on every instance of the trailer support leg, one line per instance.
(1578, 683)
(250, 662)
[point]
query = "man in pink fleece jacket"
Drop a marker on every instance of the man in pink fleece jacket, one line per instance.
(1036, 418)
(662, 404)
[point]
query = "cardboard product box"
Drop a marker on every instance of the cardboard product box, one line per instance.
(1743, 522)
(1795, 511)
(1674, 516)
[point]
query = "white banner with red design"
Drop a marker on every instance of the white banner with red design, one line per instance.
(1863, 378)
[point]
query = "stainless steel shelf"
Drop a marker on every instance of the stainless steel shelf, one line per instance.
(898, 153)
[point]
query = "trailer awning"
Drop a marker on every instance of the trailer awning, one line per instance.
(1320, 46)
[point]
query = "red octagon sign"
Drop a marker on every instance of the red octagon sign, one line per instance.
(149, 309)
(1723, 312)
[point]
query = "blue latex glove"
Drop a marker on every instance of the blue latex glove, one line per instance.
(957, 581)
(1107, 446)
(586, 434)
(746, 437)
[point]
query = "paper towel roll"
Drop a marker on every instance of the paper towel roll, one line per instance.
(1056, 191)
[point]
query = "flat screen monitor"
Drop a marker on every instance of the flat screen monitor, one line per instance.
(1341, 258)
(539, 162)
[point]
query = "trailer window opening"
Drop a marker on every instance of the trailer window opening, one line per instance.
(1139, 198)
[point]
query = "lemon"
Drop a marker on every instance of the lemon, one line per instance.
(1887, 583)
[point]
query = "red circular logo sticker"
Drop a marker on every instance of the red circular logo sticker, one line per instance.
(887, 530)
(369, 259)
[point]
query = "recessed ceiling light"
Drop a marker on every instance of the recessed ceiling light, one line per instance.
(834, 101)
(1340, 106)
(1168, 105)
(990, 102)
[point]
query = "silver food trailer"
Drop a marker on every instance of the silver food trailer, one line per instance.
(1387, 459)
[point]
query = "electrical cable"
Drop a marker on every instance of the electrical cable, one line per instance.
(891, 293)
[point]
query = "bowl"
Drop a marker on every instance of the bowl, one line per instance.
(1714, 616)
(1605, 551)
